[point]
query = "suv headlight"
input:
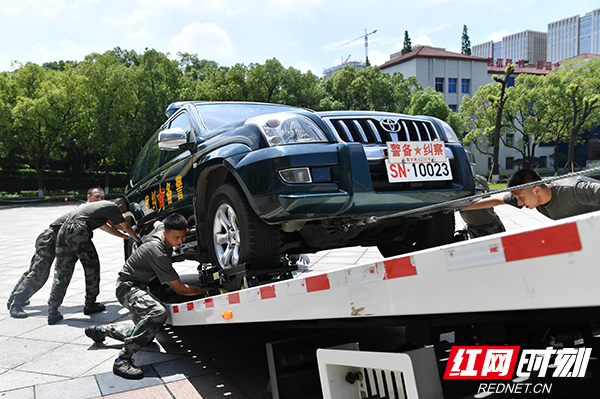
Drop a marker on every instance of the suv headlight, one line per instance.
(285, 128)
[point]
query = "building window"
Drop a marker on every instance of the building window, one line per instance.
(510, 140)
(465, 85)
(439, 84)
(510, 163)
(451, 85)
(542, 162)
(452, 107)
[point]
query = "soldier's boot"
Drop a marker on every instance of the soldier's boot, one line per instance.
(93, 308)
(95, 333)
(54, 318)
(125, 368)
(17, 312)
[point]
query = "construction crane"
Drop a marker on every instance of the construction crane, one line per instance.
(366, 43)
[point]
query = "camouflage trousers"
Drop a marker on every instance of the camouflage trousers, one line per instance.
(39, 268)
(74, 242)
(491, 228)
(147, 312)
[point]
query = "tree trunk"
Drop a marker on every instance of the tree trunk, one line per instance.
(106, 177)
(496, 144)
(39, 174)
(571, 154)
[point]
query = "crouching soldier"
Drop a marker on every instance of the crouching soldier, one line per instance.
(151, 259)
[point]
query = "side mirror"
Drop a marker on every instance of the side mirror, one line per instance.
(171, 139)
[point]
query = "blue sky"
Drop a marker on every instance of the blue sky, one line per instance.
(305, 34)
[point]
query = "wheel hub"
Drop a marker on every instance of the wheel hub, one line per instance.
(226, 234)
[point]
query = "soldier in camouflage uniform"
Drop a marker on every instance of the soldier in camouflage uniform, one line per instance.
(75, 243)
(152, 259)
(39, 269)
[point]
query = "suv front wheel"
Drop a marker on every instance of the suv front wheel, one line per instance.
(237, 235)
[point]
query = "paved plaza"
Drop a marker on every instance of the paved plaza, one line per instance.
(38, 361)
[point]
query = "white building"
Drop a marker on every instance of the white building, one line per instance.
(457, 75)
(453, 74)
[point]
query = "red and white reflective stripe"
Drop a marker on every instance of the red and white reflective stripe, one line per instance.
(547, 241)
(543, 242)
(308, 284)
(263, 292)
(399, 267)
(386, 270)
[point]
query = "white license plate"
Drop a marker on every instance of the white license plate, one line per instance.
(409, 172)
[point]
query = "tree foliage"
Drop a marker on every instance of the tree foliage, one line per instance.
(466, 42)
(407, 48)
(553, 108)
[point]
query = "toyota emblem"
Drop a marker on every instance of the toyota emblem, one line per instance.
(390, 125)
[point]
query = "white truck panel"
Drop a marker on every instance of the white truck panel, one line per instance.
(556, 266)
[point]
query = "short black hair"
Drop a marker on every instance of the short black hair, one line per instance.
(523, 176)
(175, 222)
(122, 200)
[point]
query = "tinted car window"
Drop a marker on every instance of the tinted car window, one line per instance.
(218, 114)
(154, 156)
(136, 174)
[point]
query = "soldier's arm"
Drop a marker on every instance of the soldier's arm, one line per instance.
(112, 230)
(485, 203)
(125, 226)
(185, 289)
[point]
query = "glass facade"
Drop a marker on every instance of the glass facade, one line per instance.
(439, 84)
(465, 86)
(452, 85)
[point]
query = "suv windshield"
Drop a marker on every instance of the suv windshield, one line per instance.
(215, 115)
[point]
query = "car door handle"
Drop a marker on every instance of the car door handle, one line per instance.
(159, 176)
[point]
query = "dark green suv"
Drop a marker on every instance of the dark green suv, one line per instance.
(263, 181)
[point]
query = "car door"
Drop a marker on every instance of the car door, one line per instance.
(171, 187)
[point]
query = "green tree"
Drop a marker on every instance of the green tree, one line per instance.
(466, 42)
(234, 85)
(403, 91)
(432, 103)
(157, 83)
(579, 101)
(302, 89)
(45, 112)
(111, 92)
(479, 119)
(498, 103)
(346, 89)
(59, 65)
(379, 90)
(531, 116)
(407, 44)
(265, 81)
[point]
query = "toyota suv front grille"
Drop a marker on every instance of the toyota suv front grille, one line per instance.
(373, 131)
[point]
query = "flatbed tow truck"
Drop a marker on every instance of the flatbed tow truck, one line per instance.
(513, 288)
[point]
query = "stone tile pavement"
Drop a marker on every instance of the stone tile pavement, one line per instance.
(45, 362)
